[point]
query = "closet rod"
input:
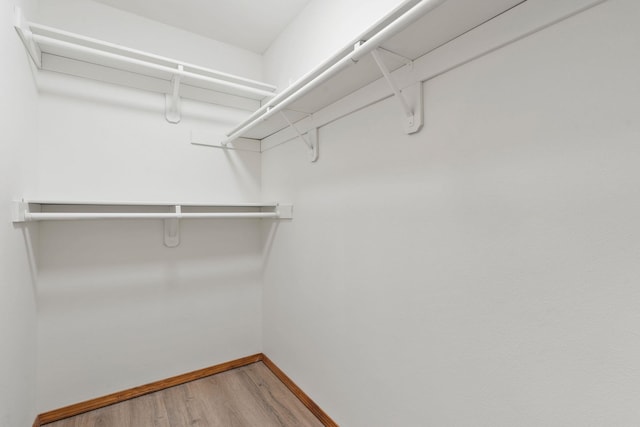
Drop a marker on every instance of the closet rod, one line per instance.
(173, 71)
(313, 80)
(61, 216)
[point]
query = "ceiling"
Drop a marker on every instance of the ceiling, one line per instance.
(249, 24)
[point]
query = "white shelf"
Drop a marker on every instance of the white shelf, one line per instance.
(51, 202)
(171, 213)
(61, 51)
(43, 210)
(409, 32)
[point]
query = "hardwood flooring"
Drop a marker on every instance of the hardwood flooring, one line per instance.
(248, 396)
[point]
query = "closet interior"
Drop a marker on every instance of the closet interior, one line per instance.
(422, 211)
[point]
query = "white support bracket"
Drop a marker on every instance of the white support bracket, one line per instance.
(407, 61)
(357, 46)
(284, 211)
(412, 105)
(22, 27)
(172, 100)
(19, 211)
(172, 229)
(311, 139)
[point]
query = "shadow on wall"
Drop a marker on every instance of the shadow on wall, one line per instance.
(269, 235)
(100, 262)
(122, 97)
(29, 233)
(99, 141)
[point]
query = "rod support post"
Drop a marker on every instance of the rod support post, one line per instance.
(172, 229)
(173, 110)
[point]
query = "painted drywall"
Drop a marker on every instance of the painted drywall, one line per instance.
(117, 309)
(484, 271)
(18, 120)
(113, 143)
(97, 20)
(322, 28)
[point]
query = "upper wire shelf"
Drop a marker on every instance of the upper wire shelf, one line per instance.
(58, 50)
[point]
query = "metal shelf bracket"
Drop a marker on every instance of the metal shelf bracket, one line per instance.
(173, 112)
(407, 61)
(311, 139)
(410, 98)
(22, 27)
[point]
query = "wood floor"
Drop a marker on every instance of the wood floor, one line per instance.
(248, 396)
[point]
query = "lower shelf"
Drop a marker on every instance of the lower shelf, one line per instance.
(171, 213)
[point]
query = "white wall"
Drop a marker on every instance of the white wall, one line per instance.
(322, 28)
(100, 21)
(18, 120)
(117, 309)
(114, 143)
(484, 271)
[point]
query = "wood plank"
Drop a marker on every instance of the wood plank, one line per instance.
(222, 395)
(218, 398)
(262, 378)
(101, 402)
(244, 397)
(301, 395)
